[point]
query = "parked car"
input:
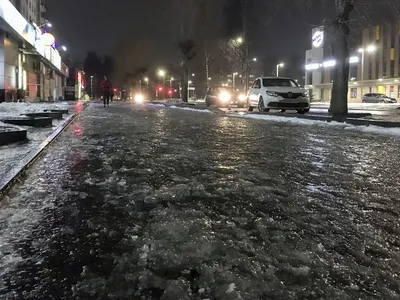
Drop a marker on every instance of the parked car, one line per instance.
(377, 98)
(278, 93)
(223, 96)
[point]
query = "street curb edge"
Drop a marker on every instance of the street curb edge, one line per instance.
(12, 176)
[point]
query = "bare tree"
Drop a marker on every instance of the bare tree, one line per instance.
(208, 57)
(235, 53)
(340, 50)
(186, 12)
(350, 18)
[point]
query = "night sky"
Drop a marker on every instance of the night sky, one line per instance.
(283, 29)
(101, 25)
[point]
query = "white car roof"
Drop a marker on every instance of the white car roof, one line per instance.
(271, 77)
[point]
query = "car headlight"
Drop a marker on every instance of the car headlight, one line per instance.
(242, 97)
(224, 97)
(139, 98)
(305, 94)
(272, 93)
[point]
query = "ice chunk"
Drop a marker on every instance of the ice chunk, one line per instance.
(231, 288)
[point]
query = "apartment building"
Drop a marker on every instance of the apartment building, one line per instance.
(374, 63)
(30, 69)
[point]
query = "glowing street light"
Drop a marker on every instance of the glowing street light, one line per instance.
(170, 82)
(63, 48)
(162, 74)
(47, 24)
(239, 40)
(277, 68)
(255, 59)
(147, 82)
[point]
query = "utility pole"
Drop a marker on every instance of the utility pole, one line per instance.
(91, 87)
(246, 44)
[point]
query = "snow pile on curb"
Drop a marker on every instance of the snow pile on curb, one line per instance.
(346, 126)
(4, 126)
(192, 109)
(156, 104)
(18, 108)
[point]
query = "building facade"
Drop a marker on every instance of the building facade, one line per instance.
(374, 63)
(30, 69)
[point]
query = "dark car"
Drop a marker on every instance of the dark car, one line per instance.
(377, 98)
(223, 96)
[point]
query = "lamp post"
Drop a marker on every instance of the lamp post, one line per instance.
(233, 79)
(147, 83)
(370, 49)
(162, 74)
(91, 87)
(277, 68)
(63, 48)
(45, 24)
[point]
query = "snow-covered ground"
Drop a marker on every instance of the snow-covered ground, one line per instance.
(362, 106)
(11, 154)
(300, 121)
(138, 203)
(17, 108)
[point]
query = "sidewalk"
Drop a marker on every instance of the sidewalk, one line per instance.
(387, 116)
(14, 157)
(360, 106)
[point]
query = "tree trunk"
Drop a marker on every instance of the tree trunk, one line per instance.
(340, 86)
(207, 65)
(246, 46)
(185, 82)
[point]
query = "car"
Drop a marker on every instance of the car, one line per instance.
(377, 98)
(281, 93)
(222, 96)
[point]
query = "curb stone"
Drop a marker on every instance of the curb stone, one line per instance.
(14, 174)
(351, 121)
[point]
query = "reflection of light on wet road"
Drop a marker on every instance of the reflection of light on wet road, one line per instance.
(78, 107)
(152, 203)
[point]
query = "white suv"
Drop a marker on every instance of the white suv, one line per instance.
(278, 93)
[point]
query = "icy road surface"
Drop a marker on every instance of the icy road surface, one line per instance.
(154, 203)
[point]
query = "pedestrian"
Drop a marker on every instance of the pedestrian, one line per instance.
(112, 95)
(106, 88)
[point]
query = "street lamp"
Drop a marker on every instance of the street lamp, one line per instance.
(370, 49)
(45, 24)
(233, 79)
(170, 82)
(239, 40)
(162, 74)
(91, 86)
(277, 68)
(255, 59)
(63, 48)
(147, 83)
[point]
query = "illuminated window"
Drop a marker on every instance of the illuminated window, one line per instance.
(392, 54)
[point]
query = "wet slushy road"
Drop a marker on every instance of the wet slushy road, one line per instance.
(153, 203)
